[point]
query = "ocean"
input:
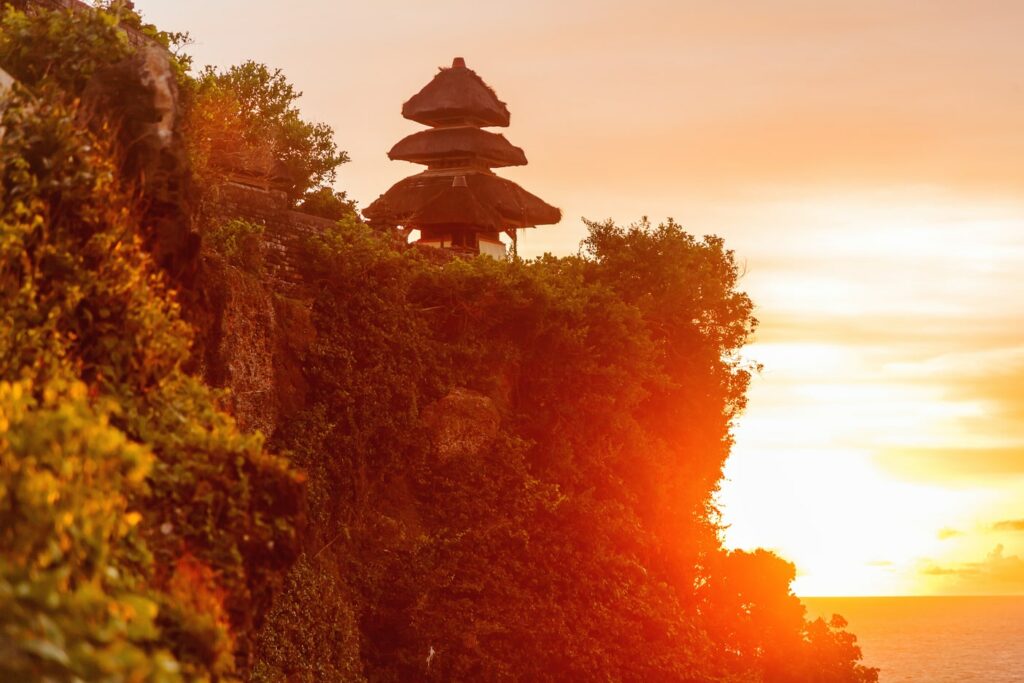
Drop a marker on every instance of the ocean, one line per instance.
(935, 639)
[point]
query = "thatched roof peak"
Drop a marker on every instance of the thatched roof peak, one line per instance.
(456, 96)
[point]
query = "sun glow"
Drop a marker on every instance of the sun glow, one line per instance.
(806, 518)
(886, 373)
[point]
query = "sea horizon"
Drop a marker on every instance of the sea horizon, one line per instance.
(933, 638)
(905, 595)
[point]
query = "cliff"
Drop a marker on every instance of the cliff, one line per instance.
(254, 322)
(240, 442)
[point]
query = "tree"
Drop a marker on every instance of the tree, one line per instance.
(253, 106)
(327, 203)
(585, 527)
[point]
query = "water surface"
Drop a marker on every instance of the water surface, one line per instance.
(935, 639)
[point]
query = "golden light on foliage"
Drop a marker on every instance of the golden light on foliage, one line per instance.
(425, 467)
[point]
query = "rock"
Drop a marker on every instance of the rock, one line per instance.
(462, 424)
(248, 325)
(251, 341)
(5, 82)
(139, 96)
(5, 85)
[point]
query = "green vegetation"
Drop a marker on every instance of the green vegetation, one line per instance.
(329, 204)
(153, 542)
(67, 610)
(247, 110)
(239, 242)
(581, 544)
(143, 537)
(67, 48)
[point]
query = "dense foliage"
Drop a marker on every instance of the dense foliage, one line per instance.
(239, 242)
(328, 203)
(144, 537)
(139, 523)
(581, 544)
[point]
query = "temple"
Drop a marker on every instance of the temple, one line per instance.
(458, 203)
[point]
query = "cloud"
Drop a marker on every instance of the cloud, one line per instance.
(997, 573)
(951, 465)
(1004, 569)
(1009, 525)
(893, 331)
(1000, 385)
(933, 570)
(947, 533)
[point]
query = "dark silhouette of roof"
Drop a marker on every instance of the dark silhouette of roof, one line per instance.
(431, 198)
(441, 144)
(457, 206)
(456, 96)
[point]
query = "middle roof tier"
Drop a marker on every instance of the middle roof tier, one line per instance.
(440, 146)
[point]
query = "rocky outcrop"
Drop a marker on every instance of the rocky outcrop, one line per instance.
(255, 323)
(5, 85)
(286, 232)
(5, 82)
(252, 344)
(241, 356)
(461, 424)
(139, 97)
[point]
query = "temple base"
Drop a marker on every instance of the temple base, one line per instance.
(465, 241)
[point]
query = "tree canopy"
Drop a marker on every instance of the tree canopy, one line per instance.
(582, 544)
(250, 108)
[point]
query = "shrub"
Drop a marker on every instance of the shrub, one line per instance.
(70, 609)
(239, 242)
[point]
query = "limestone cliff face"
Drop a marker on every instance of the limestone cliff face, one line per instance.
(461, 424)
(239, 346)
(252, 340)
(254, 318)
(5, 81)
(248, 335)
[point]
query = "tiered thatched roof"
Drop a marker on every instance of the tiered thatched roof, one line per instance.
(457, 207)
(458, 192)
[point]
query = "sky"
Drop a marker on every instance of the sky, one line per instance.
(864, 159)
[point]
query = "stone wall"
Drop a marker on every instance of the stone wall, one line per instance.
(285, 231)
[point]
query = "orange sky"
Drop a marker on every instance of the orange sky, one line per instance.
(864, 159)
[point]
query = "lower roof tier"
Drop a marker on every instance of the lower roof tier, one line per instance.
(481, 200)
